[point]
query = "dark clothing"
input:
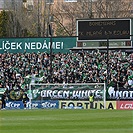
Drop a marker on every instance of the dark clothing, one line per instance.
(3, 100)
(91, 105)
(24, 100)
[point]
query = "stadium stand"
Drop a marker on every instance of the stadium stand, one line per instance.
(20, 69)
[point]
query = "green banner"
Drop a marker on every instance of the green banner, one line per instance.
(29, 45)
(66, 92)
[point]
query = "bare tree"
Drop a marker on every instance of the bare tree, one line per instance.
(33, 19)
(111, 8)
(25, 19)
(14, 9)
(65, 14)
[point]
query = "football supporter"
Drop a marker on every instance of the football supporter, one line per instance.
(74, 67)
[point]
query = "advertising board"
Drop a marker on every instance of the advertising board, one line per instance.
(86, 104)
(44, 104)
(124, 105)
(14, 105)
(63, 104)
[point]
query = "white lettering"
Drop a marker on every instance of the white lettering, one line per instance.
(19, 45)
(58, 45)
(33, 45)
(98, 93)
(66, 94)
(126, 106)
(13, 45)
(45, 45)
(12, 105)
(62, 45)
(7, 43)
(48, 105)
(54, 93)
(27, 45)
(2, 45)
(38, 45)
(60, 94)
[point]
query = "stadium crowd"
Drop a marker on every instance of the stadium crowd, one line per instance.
(20, 69)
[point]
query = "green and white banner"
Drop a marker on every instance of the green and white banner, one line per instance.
(66, 91)
(20, 45)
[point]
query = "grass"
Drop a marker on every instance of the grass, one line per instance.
(66, 121)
